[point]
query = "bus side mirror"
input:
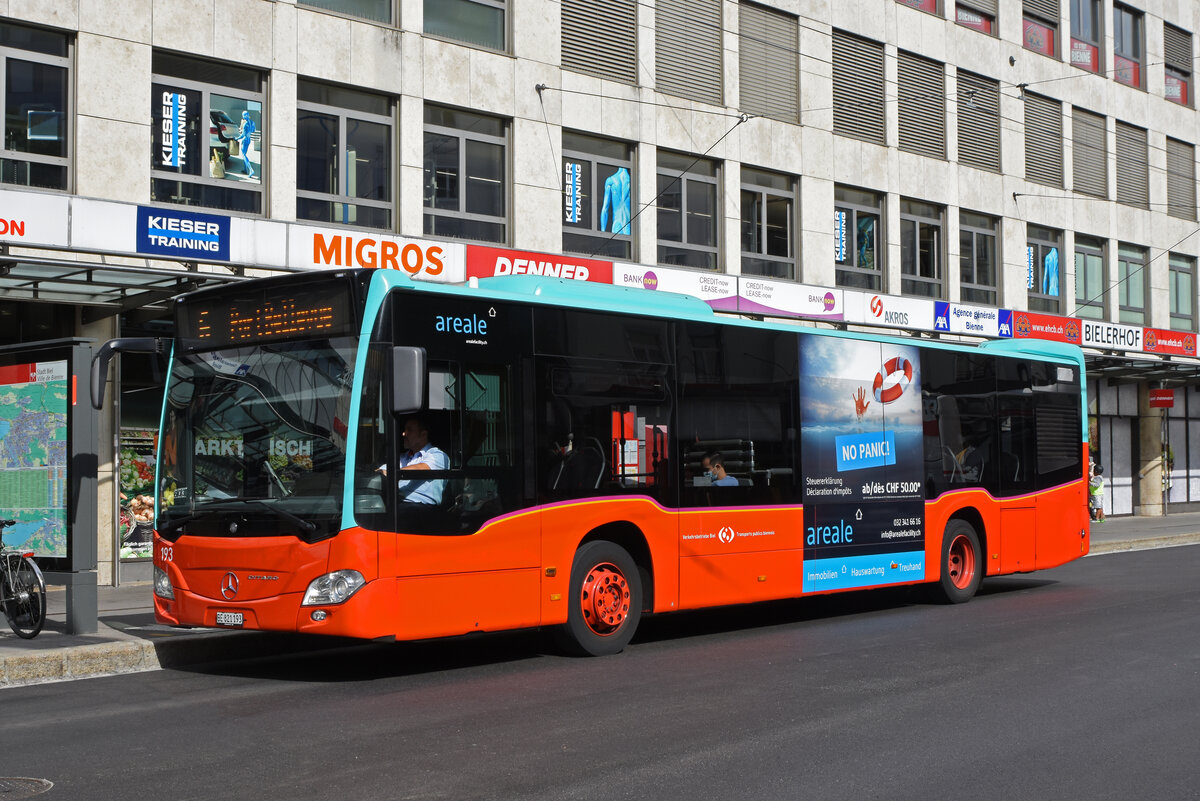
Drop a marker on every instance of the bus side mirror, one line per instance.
(105, 353)
(408, 379)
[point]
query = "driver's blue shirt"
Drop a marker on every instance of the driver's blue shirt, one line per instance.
(414, 490)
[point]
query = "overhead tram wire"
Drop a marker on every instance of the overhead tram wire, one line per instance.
(896, 98)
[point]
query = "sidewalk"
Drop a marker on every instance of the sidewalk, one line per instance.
(128, 640)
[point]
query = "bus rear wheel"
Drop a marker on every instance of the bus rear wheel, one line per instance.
(605, 601)
(962, 562)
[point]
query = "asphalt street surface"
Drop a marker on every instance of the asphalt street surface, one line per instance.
(1081, 682)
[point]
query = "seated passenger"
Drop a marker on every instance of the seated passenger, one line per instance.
(719, 477)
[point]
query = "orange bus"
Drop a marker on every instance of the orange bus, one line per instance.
(354, 453)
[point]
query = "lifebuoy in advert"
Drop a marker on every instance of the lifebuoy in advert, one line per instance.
(897, 374)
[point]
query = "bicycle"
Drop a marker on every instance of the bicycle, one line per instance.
(22, 589)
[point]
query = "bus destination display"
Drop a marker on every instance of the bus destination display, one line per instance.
(245, 319)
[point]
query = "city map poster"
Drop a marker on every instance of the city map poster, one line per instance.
(862, 450)
(33, 456)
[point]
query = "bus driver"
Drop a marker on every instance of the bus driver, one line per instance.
(419, 454)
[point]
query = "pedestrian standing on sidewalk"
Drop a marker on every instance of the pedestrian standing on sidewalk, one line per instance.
(1096, 493)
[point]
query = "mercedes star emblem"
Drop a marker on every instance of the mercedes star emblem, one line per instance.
(229, 586)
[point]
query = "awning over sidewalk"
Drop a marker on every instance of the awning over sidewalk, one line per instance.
(1164, 372)
(102, 289)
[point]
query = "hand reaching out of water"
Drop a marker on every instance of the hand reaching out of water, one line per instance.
(860, 402)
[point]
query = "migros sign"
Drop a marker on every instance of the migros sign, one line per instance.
(329, 248)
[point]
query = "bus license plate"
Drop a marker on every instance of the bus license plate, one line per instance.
(229, 619)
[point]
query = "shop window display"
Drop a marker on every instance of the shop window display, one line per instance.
(136, 475)
(207, 145)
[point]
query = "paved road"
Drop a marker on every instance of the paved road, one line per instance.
(1075, 683)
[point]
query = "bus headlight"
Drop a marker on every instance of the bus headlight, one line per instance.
(162, 584)
(333, 588)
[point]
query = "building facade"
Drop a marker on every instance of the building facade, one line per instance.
(1034, 157)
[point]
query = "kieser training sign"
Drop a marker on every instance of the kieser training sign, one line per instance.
(182, 234)
(862, 447)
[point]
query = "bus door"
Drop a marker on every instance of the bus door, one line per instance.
(741, 524)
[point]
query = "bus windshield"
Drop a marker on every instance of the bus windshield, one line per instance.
(258, 431)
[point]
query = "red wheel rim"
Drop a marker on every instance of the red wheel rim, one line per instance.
(605, 598)
(961, 564)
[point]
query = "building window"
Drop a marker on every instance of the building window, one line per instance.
(1132, 278)
(1091, 279)
(768, 224)
(1177, 79)
(687, 49)
(1043, 140)
(977, 258)
(978, 121)
(1133, 165)
(599, 37)
(979, 15)
(1090, 157)
(921, 249)
(687, 211)
(928, 6)
(1040, 24)
(1043, 249)
(1128, 46)
(597, 196)
(1086, 34)
(1181, 179)
(476, 22)
(769, 62)
(344, 156)
(858, 100)
(206, 149)
(1183, 292)
(377, 10)
(922, 106)
(466, 166)
(37, 99)
(858, 238)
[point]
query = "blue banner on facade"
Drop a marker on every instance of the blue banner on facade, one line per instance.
(182, 234)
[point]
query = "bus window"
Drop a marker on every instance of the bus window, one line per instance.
(738, 400)
(1017, 429)
(604, 428)
(1056, 397)
(959, 414)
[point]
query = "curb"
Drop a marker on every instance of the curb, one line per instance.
(80, 662)
(1121, 546)
(179, 650)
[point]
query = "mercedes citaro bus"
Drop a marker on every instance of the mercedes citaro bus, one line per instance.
(578, 426)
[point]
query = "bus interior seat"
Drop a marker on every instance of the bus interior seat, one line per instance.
(584, 466)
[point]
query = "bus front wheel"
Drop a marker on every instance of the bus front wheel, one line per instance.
(962, 562)
(605, 601)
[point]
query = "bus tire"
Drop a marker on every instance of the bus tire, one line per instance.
(605, 600)
(962, 562)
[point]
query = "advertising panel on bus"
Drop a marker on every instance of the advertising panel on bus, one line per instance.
(862, 455)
